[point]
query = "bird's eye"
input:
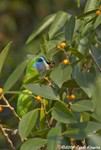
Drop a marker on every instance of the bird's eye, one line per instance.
(40, 60)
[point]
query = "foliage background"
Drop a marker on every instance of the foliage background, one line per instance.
(17, 20)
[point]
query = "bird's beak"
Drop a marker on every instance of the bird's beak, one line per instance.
(51, 64)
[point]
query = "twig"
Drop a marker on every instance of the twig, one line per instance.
(13, 131)
(8, 130)
(99, 68)
(47, 123)
(49, 82)
(7, 138)
(11, 108)
(51, 121)
(4, 106)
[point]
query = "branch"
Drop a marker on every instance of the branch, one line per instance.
(7, 138)
(11, 108)
(94, 61)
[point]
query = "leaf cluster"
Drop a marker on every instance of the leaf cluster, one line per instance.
(52, 122)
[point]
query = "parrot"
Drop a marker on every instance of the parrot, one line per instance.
(35, 66)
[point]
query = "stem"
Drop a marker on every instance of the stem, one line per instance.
(7, 138)
(4, 106)
(11, 108)
(8, 130)
(47, 123)
(94, 61)
(51, 121)
(49, 82)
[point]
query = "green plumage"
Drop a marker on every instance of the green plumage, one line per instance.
(25, 102)
(30, 71)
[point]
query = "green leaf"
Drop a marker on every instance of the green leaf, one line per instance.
(96, 98)
(71, 83)
(76, 53)
(44, 45)
(43, 25)
(33, 144)
(53, 138)
(78, 2)
(83, 45)
(43, 91)
(87, 13)
(85, 117)
(98, 34)
(82, 130)
(42, 133)
(91, 5)
(84, 105)
(87, 29)
(97, 22)
(96, 54)
(59, 21)
(27, 123)
(94, 140)
(18, 92)
(53, 43)
(12, 79)
(59, 36)
(42, 119)
(69, 31)
(61, 74)
(25, 103)
(61, 113)
(3, 55)
(84, 80)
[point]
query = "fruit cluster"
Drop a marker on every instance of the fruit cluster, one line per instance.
(61, 46)
(70, 97)
(98, 12)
